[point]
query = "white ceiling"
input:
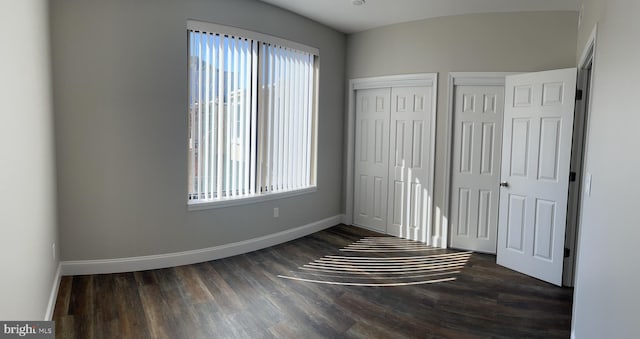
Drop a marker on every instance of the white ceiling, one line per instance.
(343, 16)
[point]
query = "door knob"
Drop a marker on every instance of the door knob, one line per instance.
(504, 184)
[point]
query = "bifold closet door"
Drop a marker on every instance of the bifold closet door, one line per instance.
(409, 162)
(372, 158)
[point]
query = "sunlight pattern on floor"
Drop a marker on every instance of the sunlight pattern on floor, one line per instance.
(380, 267)
(387, 244)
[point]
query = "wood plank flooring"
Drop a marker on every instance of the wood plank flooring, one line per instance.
(343, 282)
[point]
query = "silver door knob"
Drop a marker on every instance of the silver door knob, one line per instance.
(504, 184)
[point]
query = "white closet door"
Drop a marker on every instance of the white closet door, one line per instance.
(409, 163)
(475, 177)
(372, 158)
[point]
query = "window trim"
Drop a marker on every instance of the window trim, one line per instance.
(248, 200)
(201, 26)
(247, 34)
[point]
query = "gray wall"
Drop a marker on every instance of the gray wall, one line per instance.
(27, 180)
(591, 14)
(120, 89)
(501, 42)
(606, 296)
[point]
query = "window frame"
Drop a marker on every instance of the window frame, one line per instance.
(261, 38)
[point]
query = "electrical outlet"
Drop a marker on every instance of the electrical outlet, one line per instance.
(276, 212)
(587, 185)
(53, 251)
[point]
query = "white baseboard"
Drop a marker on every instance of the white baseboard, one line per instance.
(48, 316)
(150, 262)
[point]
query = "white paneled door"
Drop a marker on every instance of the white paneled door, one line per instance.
(372, 158)
(536, 154)
(477, 145)
(393, 160)
(409, 160)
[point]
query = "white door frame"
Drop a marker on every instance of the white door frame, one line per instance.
(588, 57)
(461, 79)
(417, 79)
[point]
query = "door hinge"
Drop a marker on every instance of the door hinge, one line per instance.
(572, 176)
(578, 94)
(567, 252)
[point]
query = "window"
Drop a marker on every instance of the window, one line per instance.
(252, 115)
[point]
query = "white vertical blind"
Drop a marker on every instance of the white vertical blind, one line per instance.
(221, 109)
(250, 117)
(207, 116)
(288, 83)
(252, 139)
(192, 125)
(199, 118)
(229, 100)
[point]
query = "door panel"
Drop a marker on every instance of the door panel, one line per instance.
(475, 173)
(409, 171)
(520, 147)
(484, 214)
(515, 226)
(464, 214)
(538, 127)
(549, 152)
(487, 146)
(372, 158)
(466, 153)
(544, 225)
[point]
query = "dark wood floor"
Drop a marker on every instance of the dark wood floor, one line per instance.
(341, 282)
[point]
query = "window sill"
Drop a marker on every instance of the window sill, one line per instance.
(228, 202)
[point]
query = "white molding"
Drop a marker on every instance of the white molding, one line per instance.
(53, 296)
(350, 168)
(478, 78)
(588, 56)
(402, 80)
(432, 169)
(150, 262)
(247, 200)
(578, 157)
(460, 79)
(589, 48)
